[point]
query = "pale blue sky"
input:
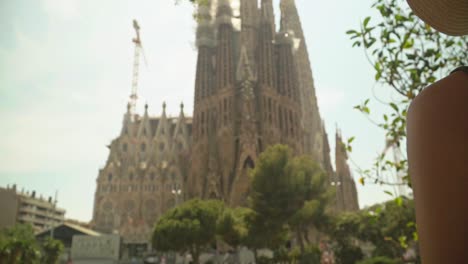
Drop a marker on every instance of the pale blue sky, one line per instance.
(65, 75)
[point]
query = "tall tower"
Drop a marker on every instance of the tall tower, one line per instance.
(247, 97)
(311, 121)
(346, 194)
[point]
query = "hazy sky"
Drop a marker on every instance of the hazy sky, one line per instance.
(65, 77)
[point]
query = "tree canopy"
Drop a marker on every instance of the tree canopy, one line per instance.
(389, 228)
(288, 193)
(18, 245)
(190, 227)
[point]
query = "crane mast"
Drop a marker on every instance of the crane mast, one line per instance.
(136, 66)
(392, 146)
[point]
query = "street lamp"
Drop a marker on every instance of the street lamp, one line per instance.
(337, 183)
(176, 191)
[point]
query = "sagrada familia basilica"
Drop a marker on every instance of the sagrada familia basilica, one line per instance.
(253, 89)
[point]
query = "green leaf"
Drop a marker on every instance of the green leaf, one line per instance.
(366, 110)
(409, 43)
(402, 240)
(399, 201)
(362, 181)
(389, 193)
(449, 43)
(351, 139)
(394, 106)
(366, 21)
(349, 32)
(378, 75)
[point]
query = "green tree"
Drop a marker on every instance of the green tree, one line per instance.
(345, 232)
(232, 227)
(389, 227)
(52, 249)
(317, 195)
(18, 245)
(288, 194)
(190, 227)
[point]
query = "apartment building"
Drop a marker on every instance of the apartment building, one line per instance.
(28, 208)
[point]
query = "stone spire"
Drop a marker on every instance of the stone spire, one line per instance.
(127, 126)
(163, 130)
(245, 72)
(145, 127)
(225, 49)
(224, 12)
(267, 14)
(205, 40)
(181, 134)
(311, 120)
(205, 33)
(249, 15)
(248, 12)
(266, 47)
(346, 193)
(248, 147)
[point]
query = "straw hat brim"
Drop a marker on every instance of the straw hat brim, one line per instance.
(447, 16)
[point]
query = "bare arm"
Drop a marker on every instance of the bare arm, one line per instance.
(438, 165)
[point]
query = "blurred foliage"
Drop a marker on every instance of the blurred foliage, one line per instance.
(407, 55)
(52, 250)
(18, 245)
(379, 260)
(388, 228)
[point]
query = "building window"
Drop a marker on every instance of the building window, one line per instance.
(130, 176)
(109, 177)
(161, 146)
(152, 176)
(124, 147)
(143, 147)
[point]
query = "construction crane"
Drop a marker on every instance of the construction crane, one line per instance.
(393, 146)
(136, 67)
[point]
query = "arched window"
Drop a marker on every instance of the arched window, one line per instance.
(248, 163)
(124, 147)
(152, 176)
(130, 176)
(161, 146)
(109, 177)
(143, 147)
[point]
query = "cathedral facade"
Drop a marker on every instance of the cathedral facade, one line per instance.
(143, 175)
(253, 89)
